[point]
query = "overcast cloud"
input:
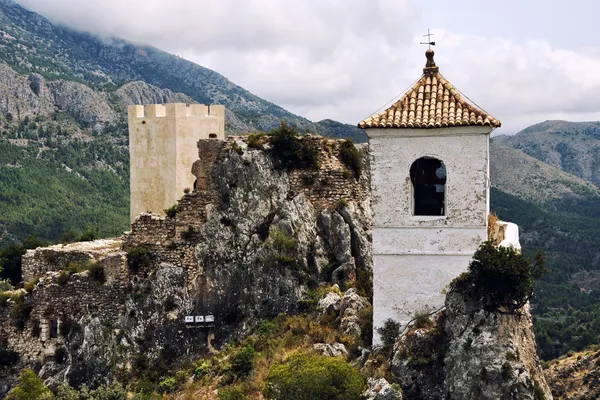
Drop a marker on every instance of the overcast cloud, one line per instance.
(344, 59)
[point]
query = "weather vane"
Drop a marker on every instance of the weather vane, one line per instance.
(429, 42)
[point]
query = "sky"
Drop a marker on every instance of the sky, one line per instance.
(523, 61)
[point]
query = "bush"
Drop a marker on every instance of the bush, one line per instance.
(389, 333)
(90, 234)
(500, 277)
(257, 140)
(68, 236)
(231, 393)
(290, 151)
(171, 212)
(30, 387)
(97, 272)
(167, 385)
(20, 312)
(63, 278)
(350, 155)
(139, 258)
(5, 285)
(242, 362)
(309, 377)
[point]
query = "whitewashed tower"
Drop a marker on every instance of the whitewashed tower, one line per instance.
(430, 183)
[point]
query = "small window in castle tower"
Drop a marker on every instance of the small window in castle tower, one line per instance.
(53, 328)
(212, 135)
(428, 176)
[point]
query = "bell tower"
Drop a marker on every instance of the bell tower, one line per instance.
(430, 184)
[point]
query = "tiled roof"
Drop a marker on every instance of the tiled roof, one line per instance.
(432, 102)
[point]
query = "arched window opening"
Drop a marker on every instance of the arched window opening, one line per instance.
(212, 135)
(428, 176)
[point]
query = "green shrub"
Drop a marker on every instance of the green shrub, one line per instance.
(20, 312)
(5, 285)
(97, 272)
(500, 277)
(365, 320)
(168, 385)
(29, 286)
(68, 236)
(290, 151)
(234, 392)
(257, 140)
(389, 333)
(63, 278)
(171, 212)
(4, 298)
(30, 387)
(310, 376)
(236, 147)
(350, 155)
(139, 258)
(90, 234)
(242, 362)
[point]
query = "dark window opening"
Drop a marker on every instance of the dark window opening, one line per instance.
(428, 176)
(53, 325)
(212, 135)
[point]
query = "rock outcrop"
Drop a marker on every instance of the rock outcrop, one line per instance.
(465, 352)
(244, 246)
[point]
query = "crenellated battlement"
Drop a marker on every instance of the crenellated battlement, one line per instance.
(176, 110)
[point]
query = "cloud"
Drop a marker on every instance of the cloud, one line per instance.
(344, 59)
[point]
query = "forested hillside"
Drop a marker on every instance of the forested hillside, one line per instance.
(559, 213)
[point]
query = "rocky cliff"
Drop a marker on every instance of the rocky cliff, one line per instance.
(465, 352)
(250, 242)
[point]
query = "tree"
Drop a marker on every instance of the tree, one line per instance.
(500, 276)
(10, 258)
(30, 387)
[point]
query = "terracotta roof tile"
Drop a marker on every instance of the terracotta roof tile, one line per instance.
(432, 102)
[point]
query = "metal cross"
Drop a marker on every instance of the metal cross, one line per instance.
(429, 42)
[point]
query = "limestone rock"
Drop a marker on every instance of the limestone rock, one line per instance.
(331, 350)
(351, 306)
(491, 355)
(466, 352)
(82, 102)
(381, 389)
(138, 92)
(330, 303)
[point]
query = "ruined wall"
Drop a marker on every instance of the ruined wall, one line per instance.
(415, 257)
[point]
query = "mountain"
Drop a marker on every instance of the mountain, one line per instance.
(573, 147)
(31, 44)
(560, 214)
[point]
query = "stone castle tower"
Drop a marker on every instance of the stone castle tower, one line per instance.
(162, 148)
(430, 183)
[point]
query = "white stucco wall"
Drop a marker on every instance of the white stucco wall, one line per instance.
(416, 257)
(163, 147)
